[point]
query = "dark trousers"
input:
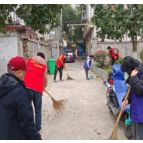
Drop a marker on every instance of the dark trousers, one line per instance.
(36, 97)
(56, 71)
(138, 131)
(86, 73)
(113, 61)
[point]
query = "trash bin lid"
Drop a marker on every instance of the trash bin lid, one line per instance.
(52, 60)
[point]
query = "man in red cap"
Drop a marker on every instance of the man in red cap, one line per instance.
(16, 114)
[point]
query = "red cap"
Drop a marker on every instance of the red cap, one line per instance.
(18, 63)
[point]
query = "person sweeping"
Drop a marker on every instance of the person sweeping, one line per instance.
(87, 65)
(59, 66)
(36, 82)
(113, 54)
(135, 71)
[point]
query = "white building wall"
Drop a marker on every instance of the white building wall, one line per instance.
(8, 49)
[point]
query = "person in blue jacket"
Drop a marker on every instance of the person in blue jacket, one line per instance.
(135, 71)
(87, 65)
(16, 114)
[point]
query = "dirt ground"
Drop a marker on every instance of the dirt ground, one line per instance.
(86, 116)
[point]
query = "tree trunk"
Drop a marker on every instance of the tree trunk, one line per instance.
(134, 43)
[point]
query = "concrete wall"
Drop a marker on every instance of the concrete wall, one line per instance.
(35, 46)
(8, 49)
(125, 48)
(55, 49)
(11, 46)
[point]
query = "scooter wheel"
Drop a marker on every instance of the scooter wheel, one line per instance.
(128, 128)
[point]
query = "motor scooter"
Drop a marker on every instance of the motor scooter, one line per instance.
(116, 90)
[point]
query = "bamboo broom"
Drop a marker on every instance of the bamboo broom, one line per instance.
(58, 105)
(114, 134)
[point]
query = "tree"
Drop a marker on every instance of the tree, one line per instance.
(114, 21)
(36, 16)
(72, 35)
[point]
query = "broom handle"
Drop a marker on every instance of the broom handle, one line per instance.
(67, 72)
(93, 72)
(119, 116)
(48, 94)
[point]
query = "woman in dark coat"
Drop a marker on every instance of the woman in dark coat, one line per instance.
(135, 71)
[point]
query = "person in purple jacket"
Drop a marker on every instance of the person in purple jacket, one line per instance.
(135, 71)
(87, 65)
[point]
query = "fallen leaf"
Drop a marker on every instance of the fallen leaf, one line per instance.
(98, 133)
(94, 130)
(73, 113)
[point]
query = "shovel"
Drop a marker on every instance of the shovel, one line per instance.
(114, 134)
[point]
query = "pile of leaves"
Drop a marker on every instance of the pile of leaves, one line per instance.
(100, 58)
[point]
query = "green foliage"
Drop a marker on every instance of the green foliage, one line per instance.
(109, 70)
(118, 61)
(100, 58)
(113, 21)
(141, 55)
(36, 16)
(5, 10)
(72, 35)
(97, 64)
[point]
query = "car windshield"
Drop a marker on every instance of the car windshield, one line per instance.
(70, 54)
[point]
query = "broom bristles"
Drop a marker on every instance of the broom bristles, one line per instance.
(114, 134)
(69, 78)
(59, 105)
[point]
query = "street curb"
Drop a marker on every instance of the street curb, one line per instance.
(100, 72)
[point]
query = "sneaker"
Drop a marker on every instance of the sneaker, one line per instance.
(55, 81)
(88, 79)
(61, 80)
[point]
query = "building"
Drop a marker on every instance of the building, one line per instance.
(90, 32)
(74, 6)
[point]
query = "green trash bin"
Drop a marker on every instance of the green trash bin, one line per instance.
(52, 65)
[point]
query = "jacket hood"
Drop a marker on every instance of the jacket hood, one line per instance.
(8, 81)
(139, 69)
(39, 60)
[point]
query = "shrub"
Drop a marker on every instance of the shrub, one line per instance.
(100, 58)
(97, 65)
(119, 61)
(141, 56)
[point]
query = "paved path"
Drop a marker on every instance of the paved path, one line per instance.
(86, 117)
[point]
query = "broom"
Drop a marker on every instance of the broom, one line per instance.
(95, 74)
(58, 105)
(68, 78)
(114, 134)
